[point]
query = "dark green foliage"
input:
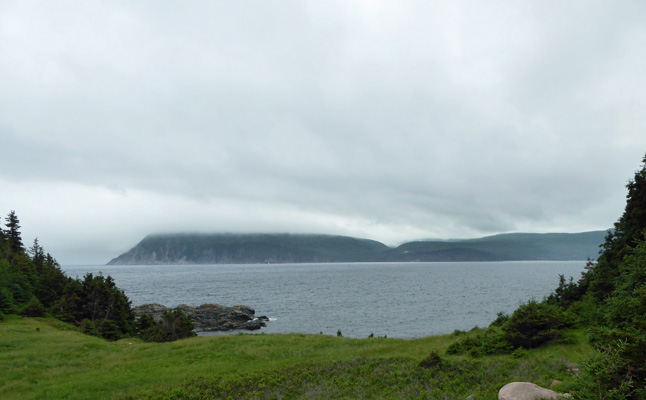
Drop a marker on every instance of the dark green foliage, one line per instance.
(12, 233)
(501, 319)
(177, 325)
(534, 324)
(481, 342)
(106, 306)
(174, 325)
(432, 361)
(68, 306)
(6, 301)
(610, 299)
(607, 375)
(32, 284)
(34, 308)
(148, 329)
(600, 280)
(622, 336)
(567, 292)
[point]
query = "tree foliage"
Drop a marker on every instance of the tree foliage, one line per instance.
(534, 324)
(610, 298)
(12, 233)
(600, 280)
(173, 325)
(32, 284)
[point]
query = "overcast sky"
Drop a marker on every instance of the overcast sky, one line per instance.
(389, 120)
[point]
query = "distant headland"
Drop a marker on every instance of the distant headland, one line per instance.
(263, 248)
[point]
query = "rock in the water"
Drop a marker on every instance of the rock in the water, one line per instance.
(526, 391)
(210, 317)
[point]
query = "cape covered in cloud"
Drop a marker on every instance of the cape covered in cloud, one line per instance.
(386, 120)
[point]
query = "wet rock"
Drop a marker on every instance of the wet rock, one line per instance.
(210, 317)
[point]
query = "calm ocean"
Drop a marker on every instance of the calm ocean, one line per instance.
(399, 300)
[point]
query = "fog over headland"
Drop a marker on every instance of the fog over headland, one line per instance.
(385, 120)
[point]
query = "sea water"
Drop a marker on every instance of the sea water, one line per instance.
(398, 300)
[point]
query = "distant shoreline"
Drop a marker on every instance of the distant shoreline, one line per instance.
(226, 248)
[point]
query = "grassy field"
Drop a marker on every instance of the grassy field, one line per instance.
(46, 359)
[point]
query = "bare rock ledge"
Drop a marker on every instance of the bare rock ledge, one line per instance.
(210, 317)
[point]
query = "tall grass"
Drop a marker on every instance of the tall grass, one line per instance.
(46, 359)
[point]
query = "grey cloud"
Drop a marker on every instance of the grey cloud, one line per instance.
(394, 121)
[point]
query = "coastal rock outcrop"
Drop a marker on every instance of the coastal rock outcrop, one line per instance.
(210, 317)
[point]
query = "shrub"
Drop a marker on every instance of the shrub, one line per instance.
(607, 375)
(519, 353)
(534, 324)
(174, 325)
(433, 360)
(489, 341)
(500, 319)
(6, 301)
(34, 308)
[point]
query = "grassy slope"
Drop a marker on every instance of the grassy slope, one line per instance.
(45, 359)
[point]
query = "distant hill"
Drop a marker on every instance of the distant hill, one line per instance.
(227, 248)
(504, 247)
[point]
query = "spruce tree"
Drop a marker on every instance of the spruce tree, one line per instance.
(614, 306)
(37, 254)
(12, 233)
(600, 279)
(4, 244)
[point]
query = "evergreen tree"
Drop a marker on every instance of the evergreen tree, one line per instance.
(12, 233)
(37, 254)
(599, 280)
(4, 244)
(173, 325)
(32, 284)
(106, 307)
(613, 305)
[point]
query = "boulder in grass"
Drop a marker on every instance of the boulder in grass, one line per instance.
(527, 391)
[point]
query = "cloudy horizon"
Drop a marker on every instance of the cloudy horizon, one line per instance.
(388, 121)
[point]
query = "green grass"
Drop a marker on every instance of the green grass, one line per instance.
(46, 359)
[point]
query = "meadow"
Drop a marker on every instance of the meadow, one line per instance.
(43, 358)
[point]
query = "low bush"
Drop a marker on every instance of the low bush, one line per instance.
(501, 319)
(607, 375)
(432, 361)
(174, 325)
(534, 324)
(488, 341)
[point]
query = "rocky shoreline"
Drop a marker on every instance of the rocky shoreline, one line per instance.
(210, 317)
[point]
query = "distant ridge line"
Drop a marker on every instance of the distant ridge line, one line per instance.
(263, 248)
